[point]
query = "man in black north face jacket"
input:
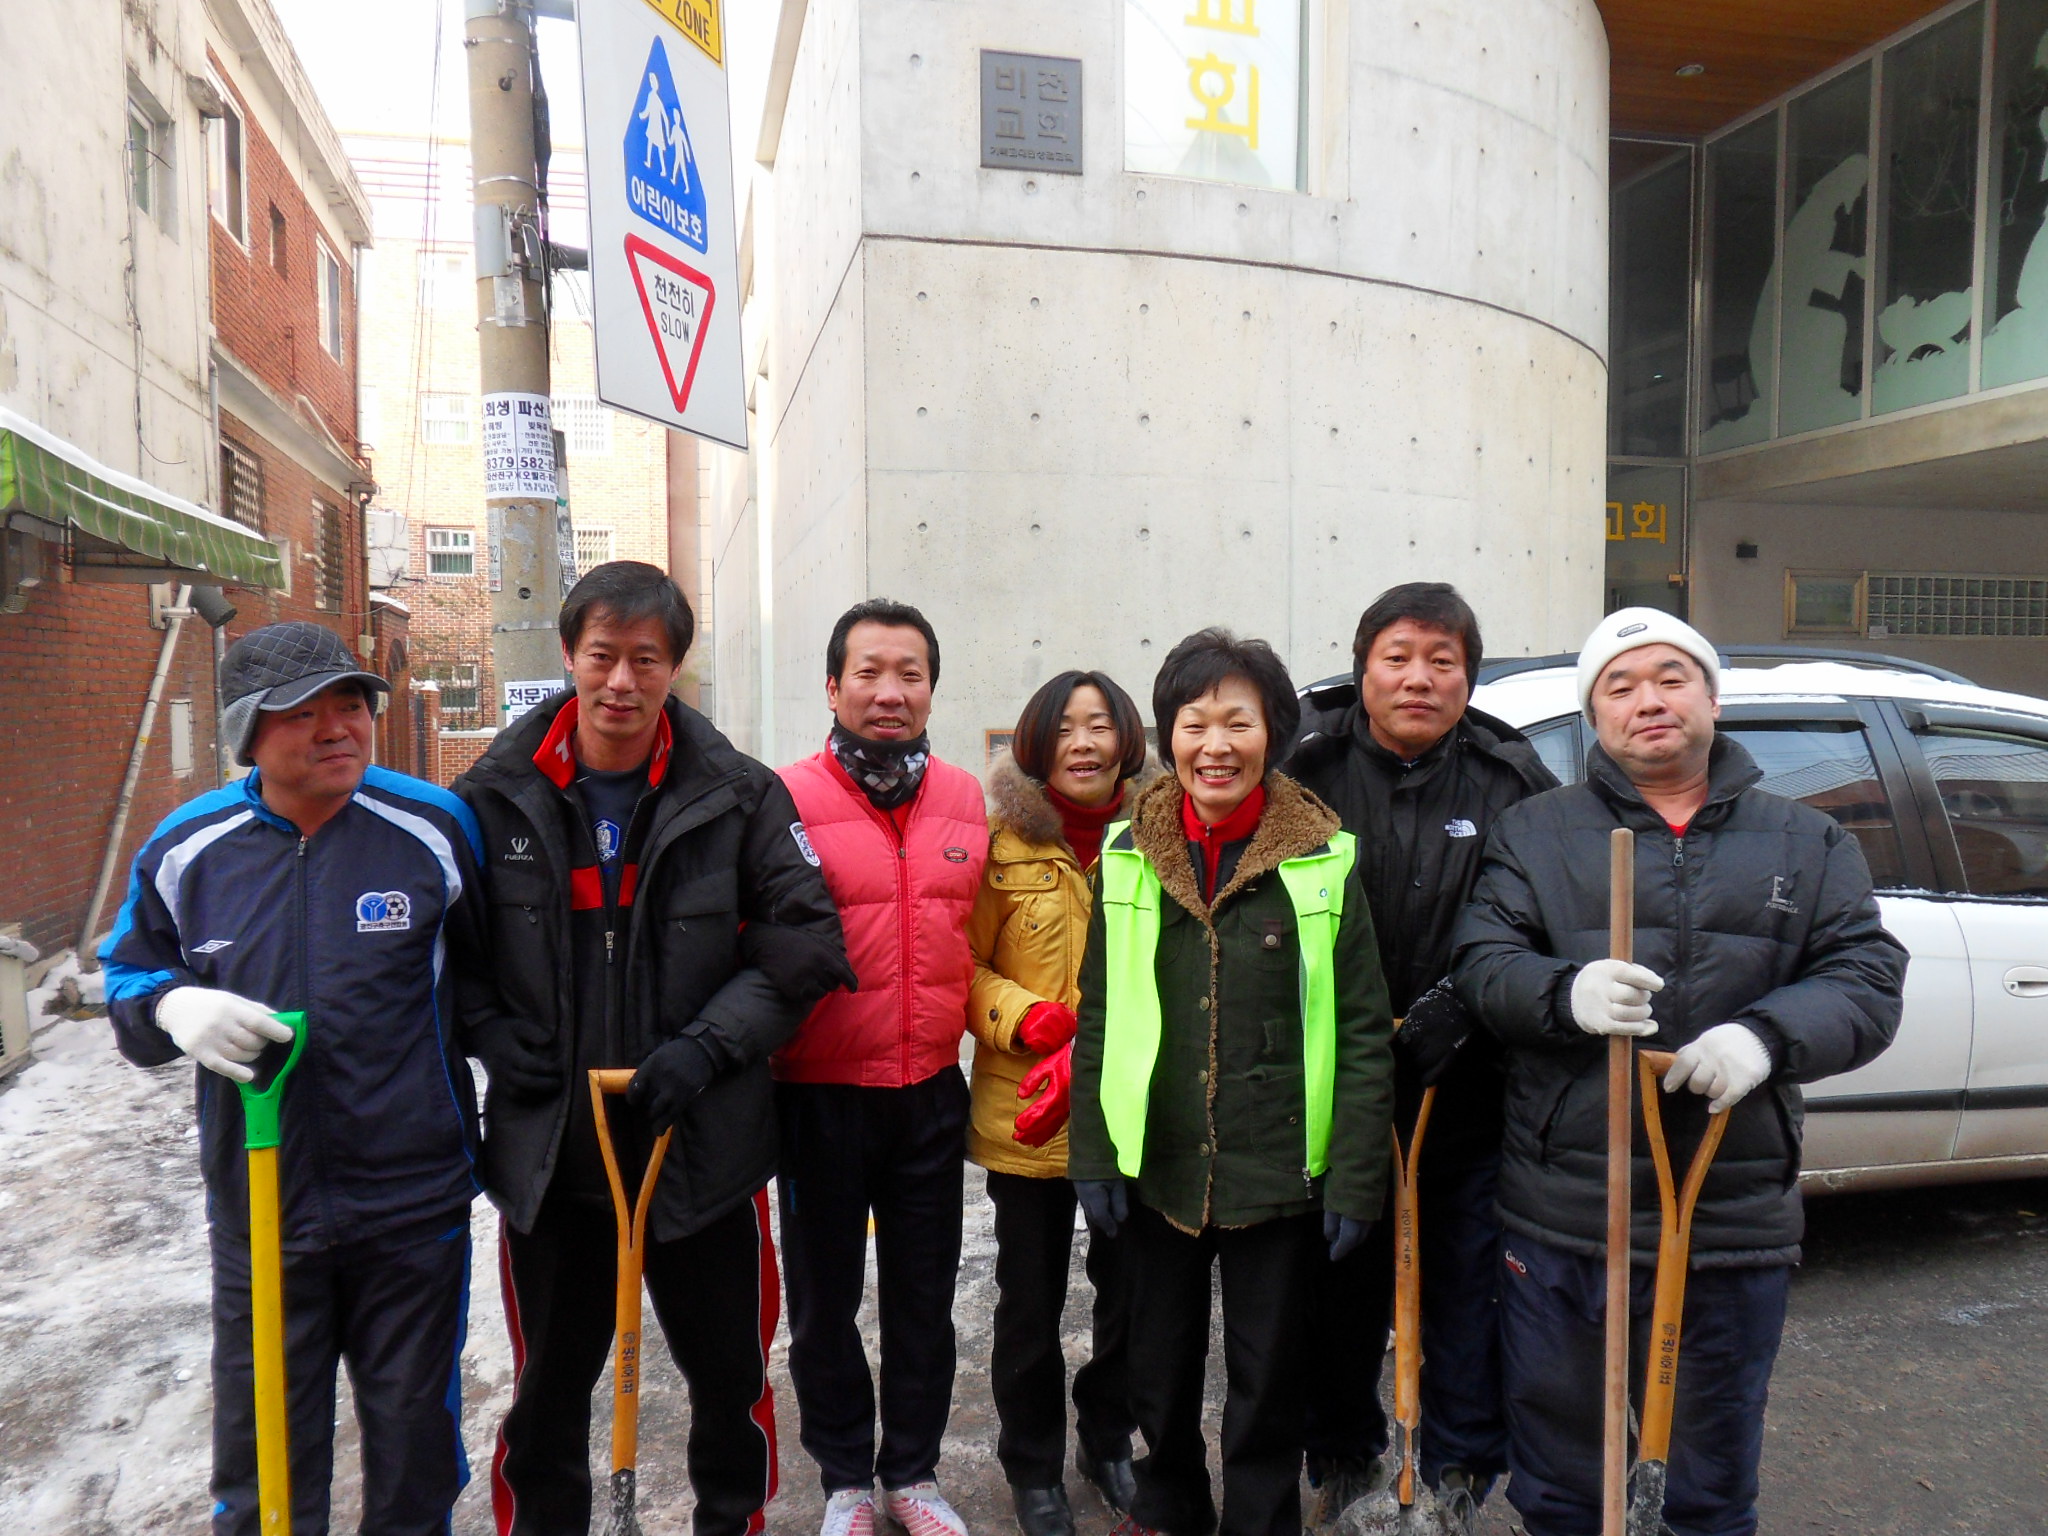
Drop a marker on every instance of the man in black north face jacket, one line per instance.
(1762, 962)
(1419, 778)
(654, 904)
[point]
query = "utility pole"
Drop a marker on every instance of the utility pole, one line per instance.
(512, 340)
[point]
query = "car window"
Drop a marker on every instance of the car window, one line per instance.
(1995, 791)
(1827, 764)
(1558, 744)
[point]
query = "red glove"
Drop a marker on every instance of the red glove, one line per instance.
(1046, 1027)
(1039, 1123)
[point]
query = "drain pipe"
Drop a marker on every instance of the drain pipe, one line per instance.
(176, 615)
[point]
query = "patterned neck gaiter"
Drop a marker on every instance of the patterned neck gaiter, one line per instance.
(888, 772)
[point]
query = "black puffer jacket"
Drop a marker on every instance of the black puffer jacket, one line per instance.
(1762, 915)
(729, 935)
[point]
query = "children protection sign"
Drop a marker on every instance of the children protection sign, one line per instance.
(663, 243)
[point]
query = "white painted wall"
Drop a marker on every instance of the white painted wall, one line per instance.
(77, 329)
(1075, 418)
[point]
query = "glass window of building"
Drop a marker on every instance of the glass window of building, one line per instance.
(1646, 537)
(1925, 294)
(1212, 89)
(2016, 254)
(1651, 226)
(1742, 292)
(1826, 260)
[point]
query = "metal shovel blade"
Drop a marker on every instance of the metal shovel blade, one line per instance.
(1383, 1514)
(1646, 1499)
(622, 1521)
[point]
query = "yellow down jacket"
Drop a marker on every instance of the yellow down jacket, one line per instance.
(1027, 932)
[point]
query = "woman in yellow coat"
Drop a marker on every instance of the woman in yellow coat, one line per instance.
(1079, 743)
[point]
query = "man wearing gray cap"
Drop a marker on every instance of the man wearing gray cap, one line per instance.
(1762, 963)
(322, 885)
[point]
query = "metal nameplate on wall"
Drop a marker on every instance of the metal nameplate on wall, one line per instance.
(1030, 113)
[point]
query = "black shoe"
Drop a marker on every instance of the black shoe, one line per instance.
(1113, 1479)
(1342, 1487)
(1042, 1511)
(1458, 1496)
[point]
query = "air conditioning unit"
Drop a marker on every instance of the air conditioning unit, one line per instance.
(390, 547)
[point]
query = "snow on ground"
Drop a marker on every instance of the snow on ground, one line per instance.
(105, 1338)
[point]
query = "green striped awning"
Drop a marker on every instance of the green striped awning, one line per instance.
(49, 479)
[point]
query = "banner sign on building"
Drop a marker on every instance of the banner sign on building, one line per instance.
(664, 250)
(1212, 89)
(519, 446)
(520, 697)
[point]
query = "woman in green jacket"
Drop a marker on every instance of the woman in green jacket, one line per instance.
(1232, 1089)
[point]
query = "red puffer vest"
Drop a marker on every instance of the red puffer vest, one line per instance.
(904, 903)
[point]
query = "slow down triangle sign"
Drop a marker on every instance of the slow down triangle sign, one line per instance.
(677, 302)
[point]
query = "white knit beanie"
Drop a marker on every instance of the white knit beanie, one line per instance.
(1633, 627)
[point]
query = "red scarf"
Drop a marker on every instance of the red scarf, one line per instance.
(1234, 828)
(1083, 825)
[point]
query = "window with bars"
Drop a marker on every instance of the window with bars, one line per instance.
(451, 552)
(1905, 603)
(458, 680)
(445, 418)
(593, 548)
(241, 484)
(587, 423)
(330, 570)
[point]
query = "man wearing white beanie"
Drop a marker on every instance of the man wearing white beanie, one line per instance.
(1763, 965)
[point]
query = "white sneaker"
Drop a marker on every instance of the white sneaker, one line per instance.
(850, 1512)
(923, 1511)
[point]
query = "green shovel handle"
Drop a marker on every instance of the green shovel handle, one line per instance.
(260, 1105)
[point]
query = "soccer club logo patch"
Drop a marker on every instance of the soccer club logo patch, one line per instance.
(383, 912)
(608, 838)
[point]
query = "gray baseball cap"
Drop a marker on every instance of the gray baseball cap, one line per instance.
(278, 666)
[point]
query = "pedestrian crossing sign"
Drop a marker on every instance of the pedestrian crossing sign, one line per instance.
(662, 183)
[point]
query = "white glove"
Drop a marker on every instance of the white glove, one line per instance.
(1612, 997)
(219, 1030)
(1725, 1063)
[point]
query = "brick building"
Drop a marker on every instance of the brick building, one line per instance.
(178, 409)
(635, 491)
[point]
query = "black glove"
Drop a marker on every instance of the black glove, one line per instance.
(1428, 1039)
(669, 1079)
(1107, 1203)
(1344, 1233)
(522, 1060)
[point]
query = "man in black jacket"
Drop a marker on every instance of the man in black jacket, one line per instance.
(1762, 962)
(1418, 778)
(654, 904)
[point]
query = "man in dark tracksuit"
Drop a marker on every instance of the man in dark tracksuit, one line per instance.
(1759, 940)
(654, 904)
(1419, 778)
(323, 885)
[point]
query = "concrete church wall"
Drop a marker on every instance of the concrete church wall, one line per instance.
(1076, 417)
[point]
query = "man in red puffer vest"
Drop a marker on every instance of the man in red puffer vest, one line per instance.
(869, 1095)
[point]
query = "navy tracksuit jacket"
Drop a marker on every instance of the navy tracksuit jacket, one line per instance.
(377, 1166)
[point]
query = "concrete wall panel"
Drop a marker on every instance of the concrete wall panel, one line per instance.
(1077, 458)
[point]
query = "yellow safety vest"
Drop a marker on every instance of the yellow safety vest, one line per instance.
(1131, 1018)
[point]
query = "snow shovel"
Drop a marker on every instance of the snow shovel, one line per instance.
(1621, 945)
(260, 1136)
(632, 1225)
(1398, 1509)
(1674, 1251)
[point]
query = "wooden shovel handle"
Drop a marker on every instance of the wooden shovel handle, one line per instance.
(632, 1246)
(1621, 932)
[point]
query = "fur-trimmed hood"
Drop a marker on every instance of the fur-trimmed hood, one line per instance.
(1294, 823)
(1018, 805)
